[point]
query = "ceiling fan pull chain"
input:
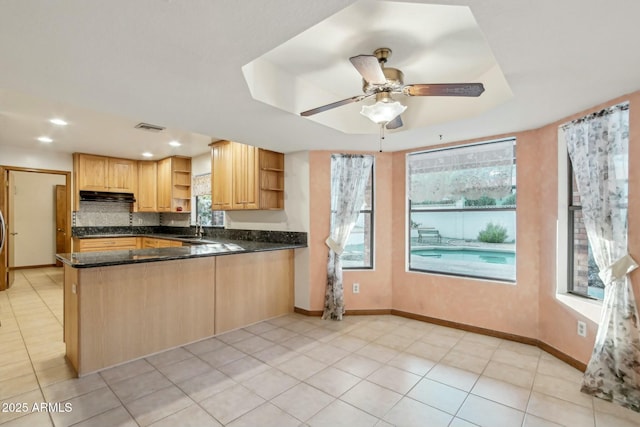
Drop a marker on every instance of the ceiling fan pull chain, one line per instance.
(381, 136)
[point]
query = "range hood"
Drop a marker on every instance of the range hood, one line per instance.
(104, 196)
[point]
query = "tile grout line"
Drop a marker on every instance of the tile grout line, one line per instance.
(43, 300)
(33, 369)
(340, 332)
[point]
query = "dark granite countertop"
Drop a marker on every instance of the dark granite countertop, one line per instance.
(216, 242)
(197, 248)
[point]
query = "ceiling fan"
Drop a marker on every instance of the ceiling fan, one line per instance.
(382, 82)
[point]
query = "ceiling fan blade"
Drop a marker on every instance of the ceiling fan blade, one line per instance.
(395, 123)
(444, 89)
(369, 67)
(334, 105)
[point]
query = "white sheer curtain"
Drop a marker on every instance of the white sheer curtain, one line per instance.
(598, 147)
(201, 185)
(349, 177)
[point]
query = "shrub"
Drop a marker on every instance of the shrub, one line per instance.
(493, 233)
(510, 200)
(482, 201)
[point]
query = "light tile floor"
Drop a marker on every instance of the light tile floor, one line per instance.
(289, 371)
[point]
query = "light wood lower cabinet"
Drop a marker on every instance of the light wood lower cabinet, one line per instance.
(151, 242)
(121, 243)
(118, 313)
(104, 244)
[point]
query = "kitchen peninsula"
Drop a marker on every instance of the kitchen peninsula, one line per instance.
(125, 304)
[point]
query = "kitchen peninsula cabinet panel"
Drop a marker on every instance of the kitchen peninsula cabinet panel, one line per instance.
(248, 295)
(146, 198)
(244, 177)
(120, 313)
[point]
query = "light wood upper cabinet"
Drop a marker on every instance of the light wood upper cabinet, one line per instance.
(174, 184)
(164, 185)
(271, 180)
(99, 173)
(91, 172)
(146, 197)
(221, 175)
(122, 175)
(244, 177)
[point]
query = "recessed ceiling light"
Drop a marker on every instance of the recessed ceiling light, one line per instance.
(147, 154)
(45, 139)
(175, 144)
(58, 122)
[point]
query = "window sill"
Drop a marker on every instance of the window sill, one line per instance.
(488, 280)
(589, 308)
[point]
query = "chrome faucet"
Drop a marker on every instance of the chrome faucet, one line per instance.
(199, 229)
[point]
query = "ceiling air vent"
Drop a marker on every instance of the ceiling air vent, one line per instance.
(149, 127)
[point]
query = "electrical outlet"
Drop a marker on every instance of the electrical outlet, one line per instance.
(356, 288)
(582, 328)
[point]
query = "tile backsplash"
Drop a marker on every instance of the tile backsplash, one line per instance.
(112, 214)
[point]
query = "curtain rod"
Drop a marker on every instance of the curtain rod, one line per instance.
(623, 106)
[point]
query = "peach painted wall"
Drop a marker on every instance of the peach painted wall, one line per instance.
(375, 291)
(493, 305)
(557, 322)
(529, 308)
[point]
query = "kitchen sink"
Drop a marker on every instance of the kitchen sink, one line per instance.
(195, 239)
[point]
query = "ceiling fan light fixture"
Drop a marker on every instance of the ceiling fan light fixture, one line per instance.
(383, 111)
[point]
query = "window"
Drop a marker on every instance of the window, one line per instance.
(358, 251)
(583, 278)
(203, 210)
(462, 210)
(201, 189)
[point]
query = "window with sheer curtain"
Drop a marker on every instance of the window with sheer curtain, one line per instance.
(462, 210)
(201, 192)
(358, 251)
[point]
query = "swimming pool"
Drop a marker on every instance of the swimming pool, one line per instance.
(468, 255)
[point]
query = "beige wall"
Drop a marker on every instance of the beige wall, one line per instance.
(46, 158)
(530, 307)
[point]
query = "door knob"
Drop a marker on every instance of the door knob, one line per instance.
(60, 229)
(13, 234)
